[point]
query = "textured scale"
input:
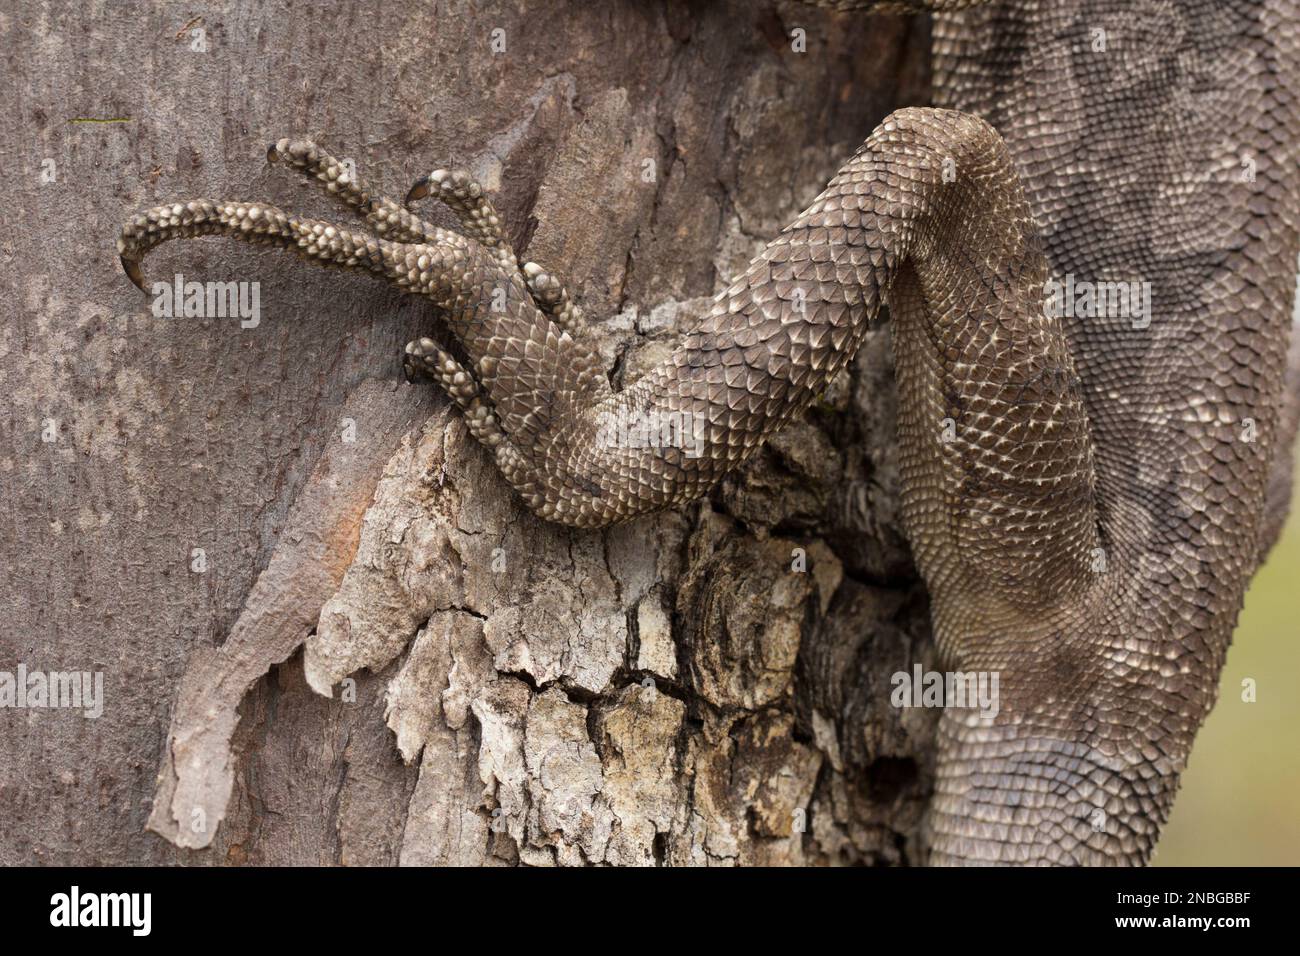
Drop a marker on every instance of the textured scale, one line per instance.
(1077, 491)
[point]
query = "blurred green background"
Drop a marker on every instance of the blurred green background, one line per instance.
(1240, 800)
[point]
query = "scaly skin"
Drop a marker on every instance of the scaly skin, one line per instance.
(1079, 493)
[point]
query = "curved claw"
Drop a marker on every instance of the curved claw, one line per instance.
(408, 363)
(132, 269)
(417, 191)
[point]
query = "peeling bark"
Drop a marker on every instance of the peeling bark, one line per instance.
(707, 686)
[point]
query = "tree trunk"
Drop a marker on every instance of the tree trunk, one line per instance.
(709, 685)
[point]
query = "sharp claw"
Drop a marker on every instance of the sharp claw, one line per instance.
(132, 269)
(418, 191)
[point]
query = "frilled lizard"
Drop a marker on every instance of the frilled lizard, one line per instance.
(1086, 473)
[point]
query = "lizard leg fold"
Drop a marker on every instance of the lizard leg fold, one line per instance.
(928, 217)
(1007, 456)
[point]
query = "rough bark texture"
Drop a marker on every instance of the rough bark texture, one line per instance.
(700, 687)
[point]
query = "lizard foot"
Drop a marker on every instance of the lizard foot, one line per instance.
(505, 319)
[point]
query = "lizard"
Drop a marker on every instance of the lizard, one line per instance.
(1086, 492)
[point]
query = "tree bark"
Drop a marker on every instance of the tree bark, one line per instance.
(704, 686)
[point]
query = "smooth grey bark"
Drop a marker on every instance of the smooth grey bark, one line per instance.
(703, 686)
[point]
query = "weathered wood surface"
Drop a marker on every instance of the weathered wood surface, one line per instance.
(676, 690)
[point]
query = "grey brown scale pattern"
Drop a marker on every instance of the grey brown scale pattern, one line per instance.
(1077, 491)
